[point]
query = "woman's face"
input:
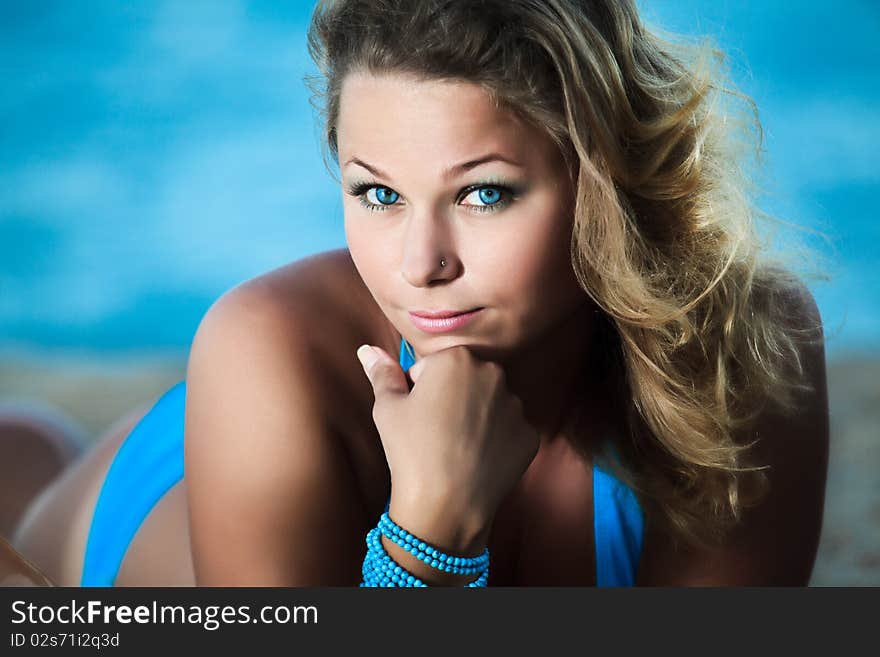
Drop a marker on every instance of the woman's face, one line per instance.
(432, 170)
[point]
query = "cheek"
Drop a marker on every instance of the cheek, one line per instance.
(532, 259)
(369, 260)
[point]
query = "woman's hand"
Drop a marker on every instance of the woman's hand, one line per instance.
(456, 443)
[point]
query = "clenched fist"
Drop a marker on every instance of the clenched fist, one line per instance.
(456, 444)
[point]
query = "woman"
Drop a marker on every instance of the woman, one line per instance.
(631, 393)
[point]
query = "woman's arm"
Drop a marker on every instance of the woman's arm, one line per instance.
(271, 495)
(777, 541)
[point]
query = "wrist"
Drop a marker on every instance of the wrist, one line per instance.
(464, 534)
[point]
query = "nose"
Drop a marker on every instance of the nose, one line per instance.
(428, 242)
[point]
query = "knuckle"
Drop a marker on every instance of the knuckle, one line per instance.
(494, 368)
(495, 373)
(453, 357)
(460, 353)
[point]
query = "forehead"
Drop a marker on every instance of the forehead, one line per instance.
(398, 114)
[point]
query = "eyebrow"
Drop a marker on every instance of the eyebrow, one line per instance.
(449, 172)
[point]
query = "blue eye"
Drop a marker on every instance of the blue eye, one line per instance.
(384, 195)
(490, 197)
(492, 194)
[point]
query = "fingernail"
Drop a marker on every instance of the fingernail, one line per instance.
(367, 356)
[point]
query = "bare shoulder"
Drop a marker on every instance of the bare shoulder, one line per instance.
(796, 303)
(267, 456)
(320, 297)
(777, 541)
(315, 310)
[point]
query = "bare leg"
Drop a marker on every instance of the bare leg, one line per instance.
(36, 446)
(54, 531)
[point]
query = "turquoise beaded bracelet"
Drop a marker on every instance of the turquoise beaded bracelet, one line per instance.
(380, 569)
(429, 554)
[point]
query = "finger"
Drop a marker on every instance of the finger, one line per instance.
(384, 373)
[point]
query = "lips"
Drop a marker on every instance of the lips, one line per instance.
(443, 321)
(441, 314)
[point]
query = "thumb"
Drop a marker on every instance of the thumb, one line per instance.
(385, 374)
(415, 370)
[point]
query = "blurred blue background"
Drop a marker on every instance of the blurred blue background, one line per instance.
(155, 154)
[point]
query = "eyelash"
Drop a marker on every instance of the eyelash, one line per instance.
(359, 189)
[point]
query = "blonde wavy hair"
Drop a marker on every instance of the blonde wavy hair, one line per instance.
(664, 237)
